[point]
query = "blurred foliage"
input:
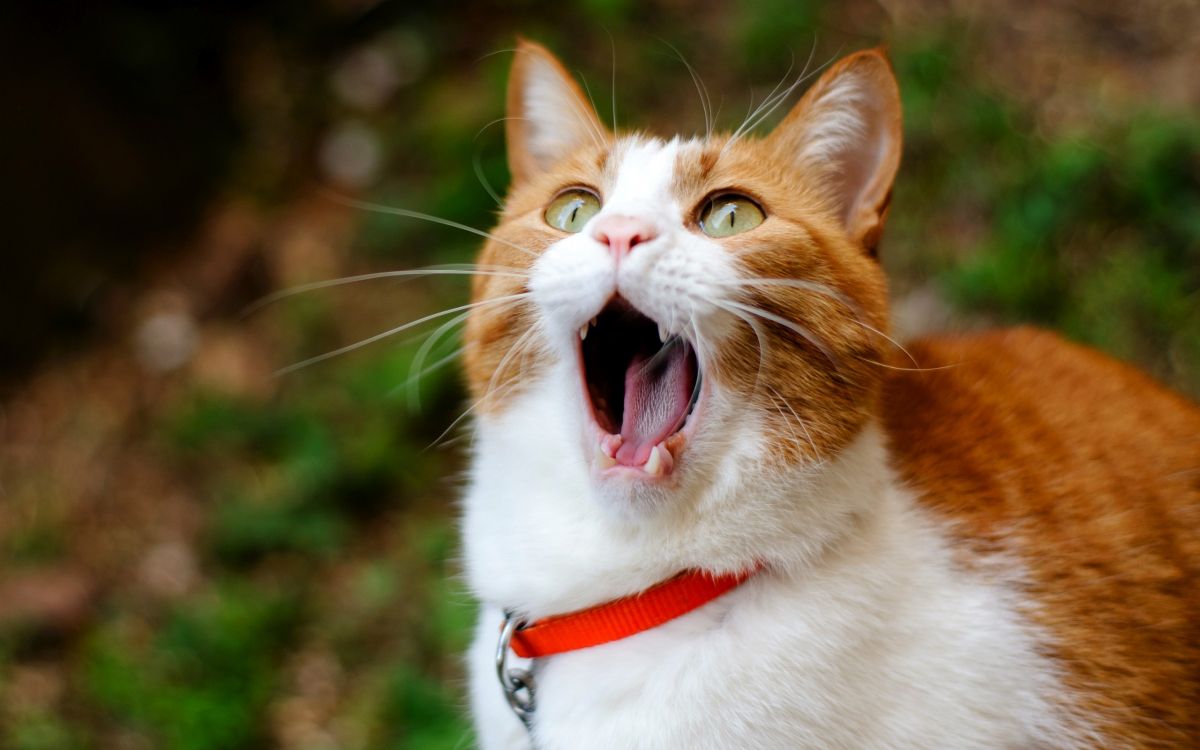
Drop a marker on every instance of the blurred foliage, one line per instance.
(1095, 234)
(314, 601)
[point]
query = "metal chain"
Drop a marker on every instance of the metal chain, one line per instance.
(520, 688)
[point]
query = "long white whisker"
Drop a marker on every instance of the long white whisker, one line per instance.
(379, 208)
(894, 342)
(803, 426)
(490, 390)
(773, 102)
(910, 369)
(701, 89)
(417, 272)
(818, 288)
(612, 44)
(783, 95)
(394, 331)
(770, 97)
(778, 401)
(792, 325)
(758, 334)
(804, 285)
(520, 342)
(477, 164)
(590, 122)
(415, 370)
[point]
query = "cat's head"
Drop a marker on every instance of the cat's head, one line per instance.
(701, 311)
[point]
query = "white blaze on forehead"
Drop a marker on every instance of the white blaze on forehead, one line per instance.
(644, 176)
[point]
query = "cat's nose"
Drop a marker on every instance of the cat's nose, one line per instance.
(623, 233)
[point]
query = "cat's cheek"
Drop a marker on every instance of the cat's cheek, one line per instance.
(569, 285)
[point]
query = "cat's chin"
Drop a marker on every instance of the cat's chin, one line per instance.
(631, 497)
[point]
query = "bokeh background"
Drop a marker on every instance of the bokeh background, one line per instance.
(198, 553)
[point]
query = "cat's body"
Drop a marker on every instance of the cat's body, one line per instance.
(993, 547)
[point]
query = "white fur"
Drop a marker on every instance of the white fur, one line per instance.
(861, 632)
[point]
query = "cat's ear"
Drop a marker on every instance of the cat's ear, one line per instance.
(548, 115)
(846, 133)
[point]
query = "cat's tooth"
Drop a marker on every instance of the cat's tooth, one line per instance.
(654, 464)
(583, 329)
(603, 460)
(610, 443)
(662, 333)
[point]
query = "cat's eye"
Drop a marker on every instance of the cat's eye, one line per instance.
(571, 209)
(729, 214)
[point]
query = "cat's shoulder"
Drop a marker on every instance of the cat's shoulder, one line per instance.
(1011, 391)
(1002, 422)
(1086, 474)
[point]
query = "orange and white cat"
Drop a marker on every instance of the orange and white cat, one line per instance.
(682, 364)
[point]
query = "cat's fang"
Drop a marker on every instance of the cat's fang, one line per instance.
(583, 329)
(603, 460)
(662, 333)
(659, 461)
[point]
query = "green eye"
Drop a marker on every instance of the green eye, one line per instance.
(571, 210)
(727, 215)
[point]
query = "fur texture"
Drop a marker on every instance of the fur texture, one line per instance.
(998, 552)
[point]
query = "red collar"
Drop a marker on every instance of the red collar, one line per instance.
(621, 618)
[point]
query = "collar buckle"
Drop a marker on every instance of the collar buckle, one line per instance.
(518, 684)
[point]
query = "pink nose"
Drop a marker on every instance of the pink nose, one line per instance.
(622, 233)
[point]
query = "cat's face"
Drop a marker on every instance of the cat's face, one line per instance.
(693, 306)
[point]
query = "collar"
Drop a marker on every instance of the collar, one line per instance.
(621, 618)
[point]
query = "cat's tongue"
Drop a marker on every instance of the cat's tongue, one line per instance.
(657, 391)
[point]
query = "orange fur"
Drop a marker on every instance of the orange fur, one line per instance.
(1089, 473)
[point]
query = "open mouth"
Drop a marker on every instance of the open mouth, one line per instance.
(641, 384)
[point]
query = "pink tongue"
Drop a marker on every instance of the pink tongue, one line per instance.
(656, 401)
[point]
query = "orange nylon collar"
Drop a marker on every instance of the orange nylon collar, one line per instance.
(624, 617)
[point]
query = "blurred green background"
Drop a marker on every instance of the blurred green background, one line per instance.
(198, 554)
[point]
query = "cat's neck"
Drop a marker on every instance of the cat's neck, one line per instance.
(536, 540)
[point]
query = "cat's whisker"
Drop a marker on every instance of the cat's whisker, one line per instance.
(893, 341)
(477, 165)
(775, 100)
(822, 289)
(492, 390)
(612, 45)
(513, 349)
(595, 129)
(392, 210)
(758, 334)
(753, 111)
(803, 426)
(802, 284)
(701, 89)
(908, 369)
(465, 269)
(415, 370)
(804, 76)
(393, 331)
(791, 325)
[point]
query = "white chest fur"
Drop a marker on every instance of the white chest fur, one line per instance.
(875, 641)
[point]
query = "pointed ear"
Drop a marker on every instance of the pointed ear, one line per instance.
(846, 132)
(548, 115)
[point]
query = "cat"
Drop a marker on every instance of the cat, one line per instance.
(684, 383)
